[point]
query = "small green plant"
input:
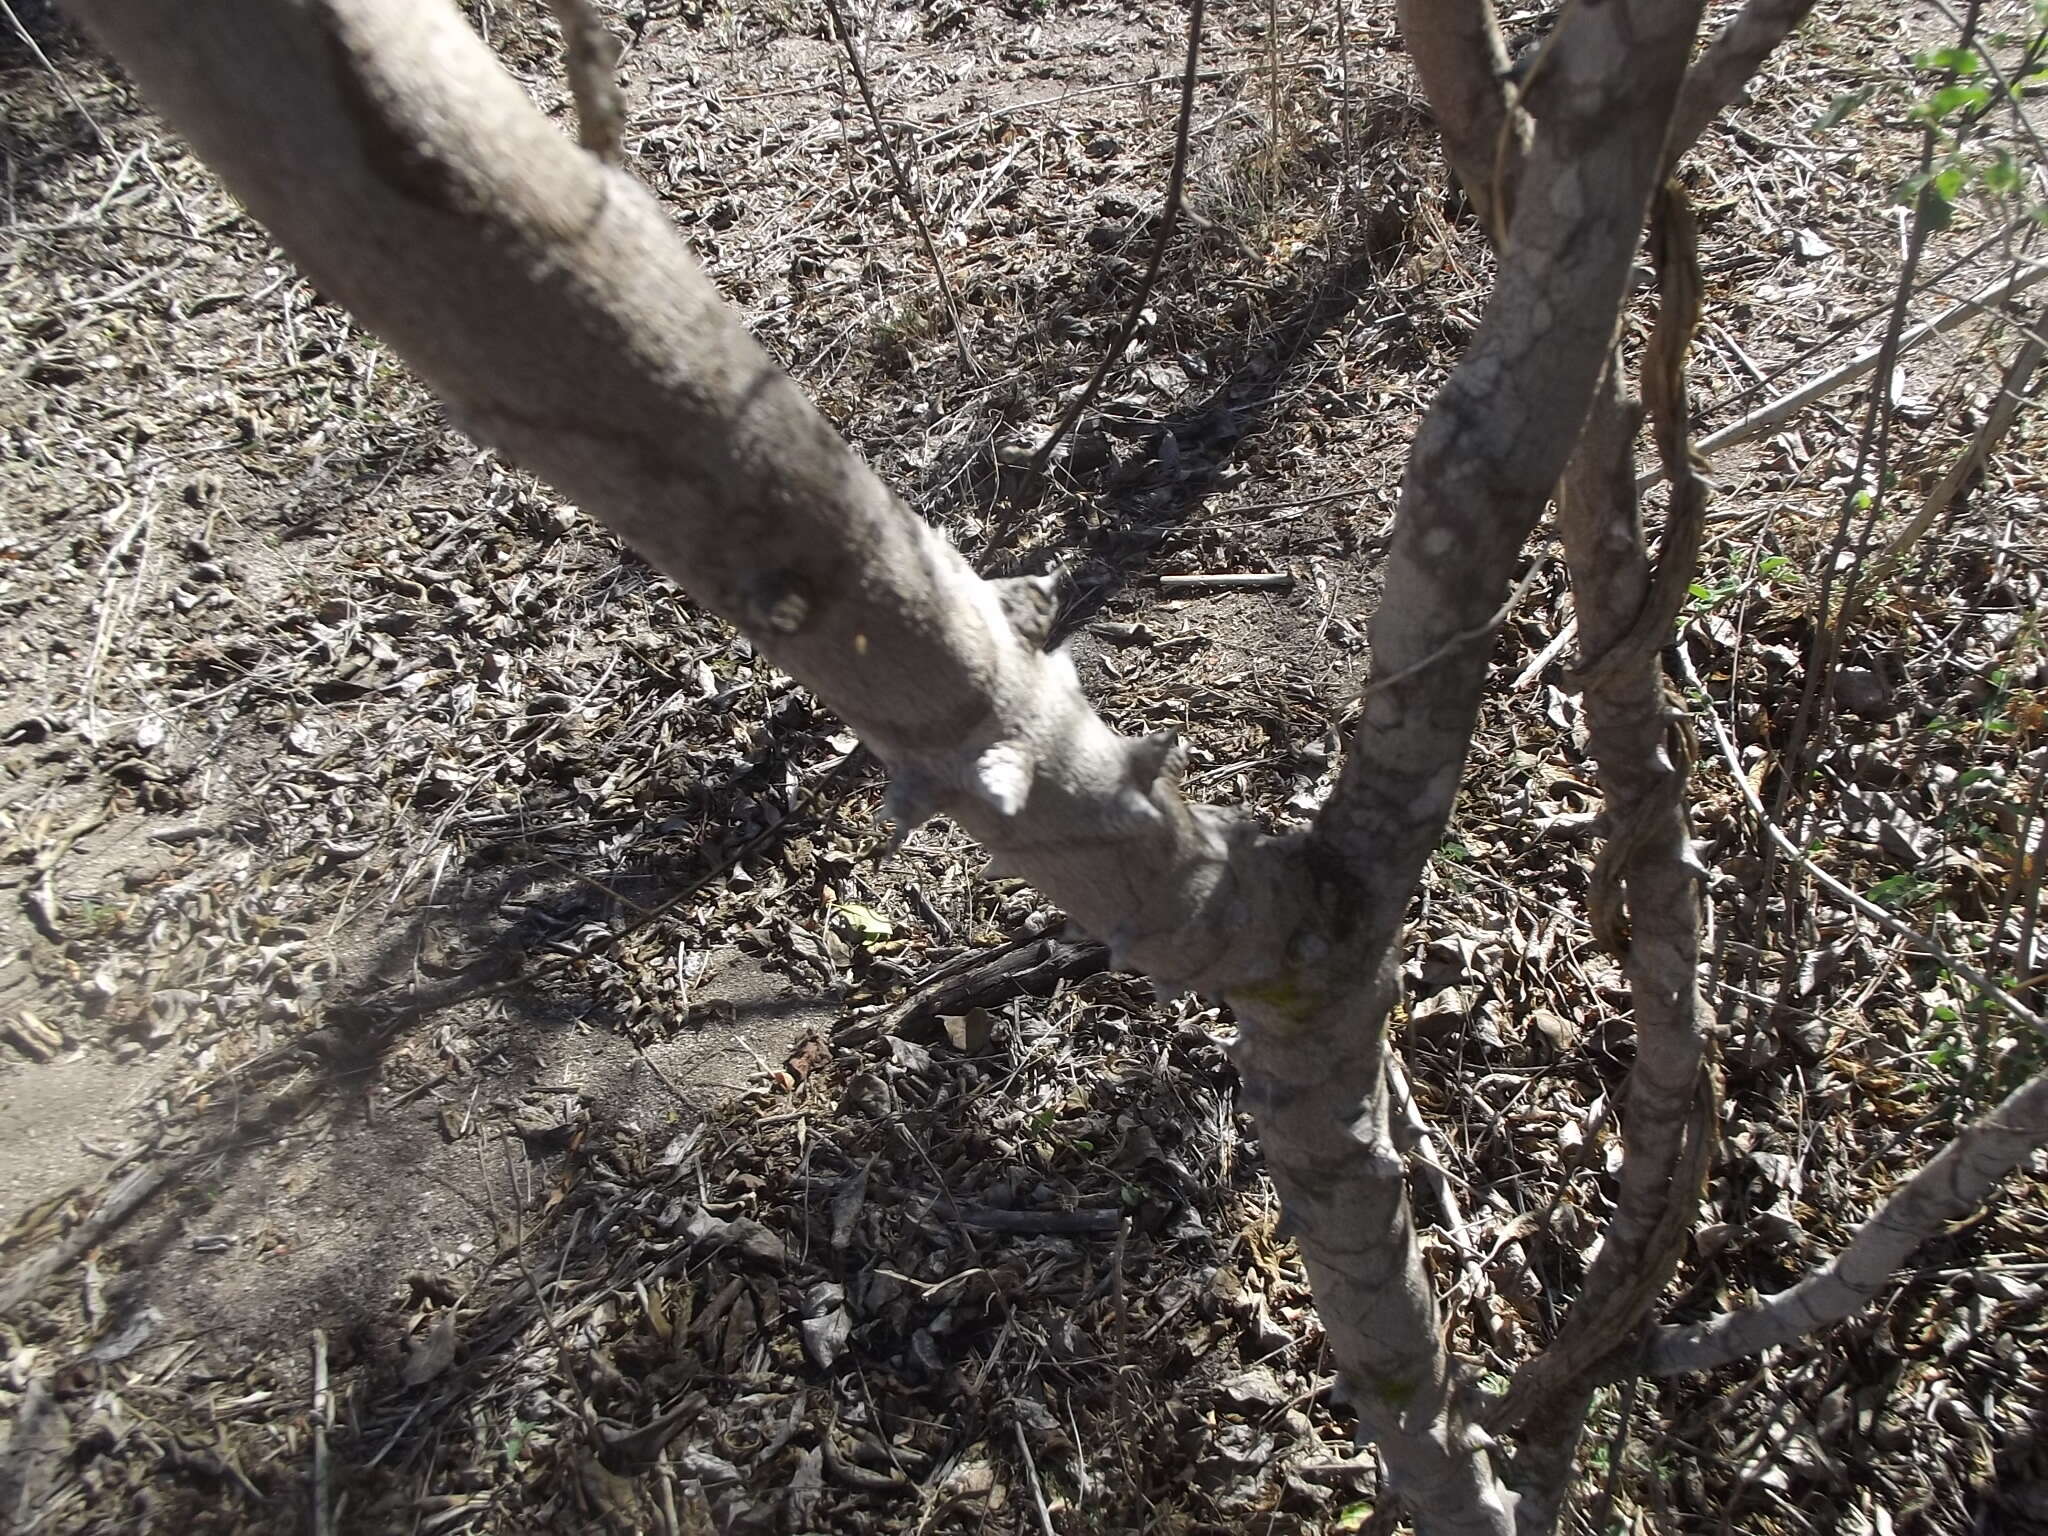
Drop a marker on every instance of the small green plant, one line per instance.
(1899, 893)
(515, 1441)
(1968, 85)
(1708, 595)
(1953, 112)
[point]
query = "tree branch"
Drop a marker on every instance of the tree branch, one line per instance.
(1169, 217)
(383, 145)
(1642, 747)
(591, 57)
(1727, 65)
(906, 189)
(1958, 1181)
(1485, 460)
(1499, 434)
(1462, 62)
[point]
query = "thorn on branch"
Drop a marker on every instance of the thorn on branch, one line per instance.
(909, 802)
(1156, 755)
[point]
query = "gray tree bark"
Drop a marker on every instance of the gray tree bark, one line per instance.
(544, 295)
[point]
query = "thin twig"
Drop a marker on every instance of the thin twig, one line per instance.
(1422, 1151)
(1997, 422)
(1344, 99)
(323, 1417)
(1464, 637)
(1617, 1443)
(130, 1196)
(906, 190)
(1169, 215)
(56, 75)
(1782, 409)
(1229, 581)
(540, 1300)
(1870, 909)
(1031, 1476)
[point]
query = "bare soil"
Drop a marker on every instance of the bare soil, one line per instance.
(459, 961)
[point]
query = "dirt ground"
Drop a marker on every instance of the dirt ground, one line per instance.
(432, 949)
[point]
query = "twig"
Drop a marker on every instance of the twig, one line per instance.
(591, 56)
(1464, 637)
(540, 1300)
(1782, 409)
(1257, 581)
(1956, 1182)
(56, 76)
(1617, 1443)
(1078, 1223)
(323, 1417)
(1870, 909)
(1169, 215)
(906, 190)
(24, 1280)
(1422, 1151)
(1344, 100)
(1031, 1475)
(1996, 424)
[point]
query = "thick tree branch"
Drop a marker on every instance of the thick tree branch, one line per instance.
(1481, 472)
(548, 301)
(1625, 608)
(591, 57)
(1958, 1181)
(1716, 82)
(1493, 445)
(1462, 62)
(1641, 745)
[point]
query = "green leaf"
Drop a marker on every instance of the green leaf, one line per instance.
(2002, 176)
(867, 924)
(1949, 100)
(1960, 61)
(1842, 106)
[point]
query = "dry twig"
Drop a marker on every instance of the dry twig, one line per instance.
(906, 189)
(1169, 214)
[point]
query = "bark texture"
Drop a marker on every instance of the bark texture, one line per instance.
(1463, 61)
(1484, 464)
(1717, 81)
(1645, 902)
(548, 301)
(1958, 1181)
(546, 298)
(1624, 605)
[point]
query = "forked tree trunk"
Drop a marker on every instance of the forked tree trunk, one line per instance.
(548, 301)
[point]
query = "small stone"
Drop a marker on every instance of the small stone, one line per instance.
(1863, 693)
(1808, 246)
